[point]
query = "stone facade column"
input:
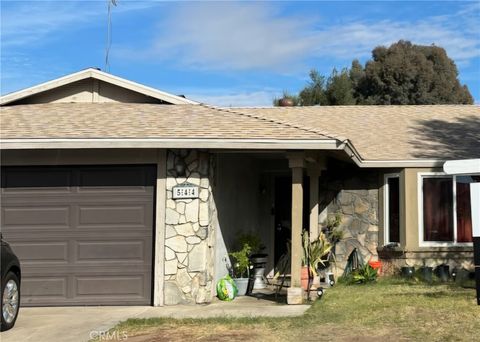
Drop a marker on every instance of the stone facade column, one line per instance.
(190, 226)
(295, 292)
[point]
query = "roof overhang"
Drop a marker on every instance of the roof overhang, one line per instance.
(99, 75)
(274, 144)
(218, 144)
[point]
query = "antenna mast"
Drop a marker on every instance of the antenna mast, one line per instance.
(109, 33)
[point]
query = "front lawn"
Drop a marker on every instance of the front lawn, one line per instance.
(391, 309)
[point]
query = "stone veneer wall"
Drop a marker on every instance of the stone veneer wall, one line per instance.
(190, 231)
(353, 193)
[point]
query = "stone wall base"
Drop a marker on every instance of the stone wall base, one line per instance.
(459, 259)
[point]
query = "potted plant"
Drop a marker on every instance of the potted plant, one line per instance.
(316, 253)
(241, 268)
(287, 100)
(258, 259)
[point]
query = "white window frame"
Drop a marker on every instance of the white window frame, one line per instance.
(422, 243)
(386, 206)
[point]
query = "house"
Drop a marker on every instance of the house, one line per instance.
(114, 193)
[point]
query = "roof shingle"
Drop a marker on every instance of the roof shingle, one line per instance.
(377, 132)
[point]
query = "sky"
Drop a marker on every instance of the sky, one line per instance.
(225, 53)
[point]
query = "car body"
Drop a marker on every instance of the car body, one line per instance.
(10, 290)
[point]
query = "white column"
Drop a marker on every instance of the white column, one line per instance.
(160, 208)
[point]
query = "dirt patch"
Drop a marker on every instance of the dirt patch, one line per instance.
(191, 333)
(326, 332)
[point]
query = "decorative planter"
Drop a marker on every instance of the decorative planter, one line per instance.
(305, 276)
(285, 102)
(242, 286)
(443, 272)
(259, 258)
(426, 273)
(408, 272)
(390, 253)
(259, 262)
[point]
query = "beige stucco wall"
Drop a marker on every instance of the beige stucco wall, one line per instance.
(88, 91)
(245, 197)
(412, 253)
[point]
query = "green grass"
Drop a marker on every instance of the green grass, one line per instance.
(389, 309)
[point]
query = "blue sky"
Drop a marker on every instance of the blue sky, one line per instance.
(225, 53)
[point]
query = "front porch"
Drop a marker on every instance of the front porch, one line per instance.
(276, 196)
(273, 195)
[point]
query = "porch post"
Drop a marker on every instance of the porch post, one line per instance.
(313, 174)
(295, 292)
(314, 171)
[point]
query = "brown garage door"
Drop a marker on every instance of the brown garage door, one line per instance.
(83, 234)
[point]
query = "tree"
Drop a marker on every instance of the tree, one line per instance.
(314, 92)
(357, 76)
(405, 73)
(339, 89)
(401, 74)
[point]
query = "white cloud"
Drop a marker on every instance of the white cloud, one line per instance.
(241, 36)
(27, 22)
(231, 35)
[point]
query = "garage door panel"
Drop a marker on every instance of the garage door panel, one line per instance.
(108, 178)
(118, 251)
(104, 190)
(112, 215)
(35, 217)
(45, 287)
(86, 243)
(41, 252)
(45, 179)
(86, 269)
(111, 285)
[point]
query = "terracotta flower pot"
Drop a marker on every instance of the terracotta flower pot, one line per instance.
(285, 102)
(305, 275)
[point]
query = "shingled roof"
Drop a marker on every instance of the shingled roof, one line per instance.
(386, 133)
(390, 132)
(140, 121)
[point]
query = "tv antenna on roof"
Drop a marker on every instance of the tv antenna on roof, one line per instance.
(109, 33)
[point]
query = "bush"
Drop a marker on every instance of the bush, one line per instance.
(363, 275)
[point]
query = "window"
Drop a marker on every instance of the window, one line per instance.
(445, 215)
(392, 208)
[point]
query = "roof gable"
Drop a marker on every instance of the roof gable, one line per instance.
(91, 86)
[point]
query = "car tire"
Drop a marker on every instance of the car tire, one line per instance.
(10, 293)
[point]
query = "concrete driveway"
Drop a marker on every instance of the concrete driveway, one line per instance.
(83, 323)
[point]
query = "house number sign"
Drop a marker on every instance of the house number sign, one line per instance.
(185, 190)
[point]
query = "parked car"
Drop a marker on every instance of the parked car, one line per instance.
(10, 273)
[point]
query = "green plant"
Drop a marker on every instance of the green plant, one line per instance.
(316, 252)
(364, 274)
(253, 240)
(332, 228)
(241, 265)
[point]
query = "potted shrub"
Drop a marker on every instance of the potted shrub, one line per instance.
(287, 100)
(258, 259)
(316, 253)
(241, 268)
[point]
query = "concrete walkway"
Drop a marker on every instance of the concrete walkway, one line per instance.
(83, 323)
